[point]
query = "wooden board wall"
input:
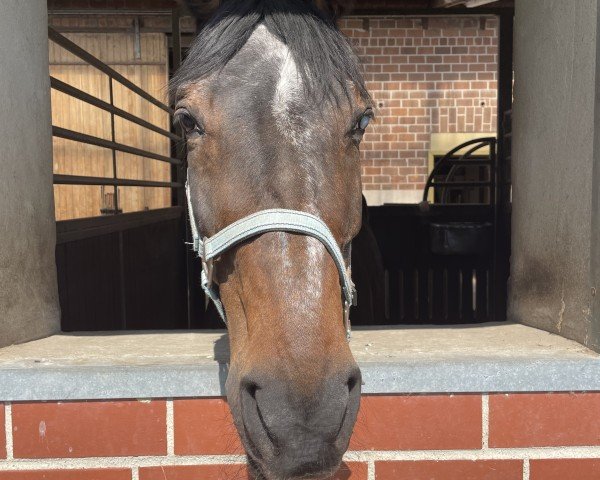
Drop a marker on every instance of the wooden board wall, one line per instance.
(147, 67)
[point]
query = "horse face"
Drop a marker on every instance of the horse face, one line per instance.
(257, 141)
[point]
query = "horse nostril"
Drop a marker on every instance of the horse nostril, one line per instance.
(354, 380)
(250, 388)
(254, 421)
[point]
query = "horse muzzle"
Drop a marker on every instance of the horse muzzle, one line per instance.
(290, 434)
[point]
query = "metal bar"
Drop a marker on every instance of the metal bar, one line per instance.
(501, 195)
(177, 148)
(456, 166)
(100, 142)
(137, 42)
(461, 184)
(113, 138)
(61, 86)
(68, 45)
(475, 162)
(478, 142)
(122, 182)
(179, 174)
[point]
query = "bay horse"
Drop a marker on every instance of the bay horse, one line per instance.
(274, 107)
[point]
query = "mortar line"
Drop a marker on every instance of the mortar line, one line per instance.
(371, 470)
(135, 473)
(526, 469)
(540, 453)
(8, 431)
(361, 456)
(170, 428)
(485, 421)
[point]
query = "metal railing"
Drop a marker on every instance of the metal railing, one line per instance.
(112, 144)
(456, 161)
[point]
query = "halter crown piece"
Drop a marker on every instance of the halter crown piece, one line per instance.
(275, 220)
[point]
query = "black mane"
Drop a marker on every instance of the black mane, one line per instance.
(325, 59)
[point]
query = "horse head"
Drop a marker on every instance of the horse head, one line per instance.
(274, 107)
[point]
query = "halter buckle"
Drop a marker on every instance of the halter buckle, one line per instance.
(347, 325)
(207, 268)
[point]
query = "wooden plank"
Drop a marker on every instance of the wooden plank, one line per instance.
(424, 293)
(73, 158)
(438, 296)
(467, 295)
(453, 292)
(80, 229)
(410, 297)
(395, 285)
(155, 276)
(483, 312)
(88, 273)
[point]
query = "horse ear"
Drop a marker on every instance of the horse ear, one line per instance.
(335, 8)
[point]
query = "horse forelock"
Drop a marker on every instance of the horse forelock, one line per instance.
(322, 56)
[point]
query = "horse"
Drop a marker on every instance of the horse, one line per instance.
(273, 106)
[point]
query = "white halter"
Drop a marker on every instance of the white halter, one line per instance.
(275, 220)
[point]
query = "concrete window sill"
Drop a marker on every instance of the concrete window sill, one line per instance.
(457, 359)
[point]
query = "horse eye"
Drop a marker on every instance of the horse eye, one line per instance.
(187, 122)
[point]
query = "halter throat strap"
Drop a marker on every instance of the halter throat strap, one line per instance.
(273, 220)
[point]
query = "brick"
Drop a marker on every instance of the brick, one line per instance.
(565, 469)
(2, 433)
(462, 55)
(435, 422)
(205, 472)
(542, 420)
(349, 471)
(450, 470)
(205, 427)
(89, 429)
(92, 474)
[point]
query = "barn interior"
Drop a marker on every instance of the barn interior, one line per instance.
(127, 286)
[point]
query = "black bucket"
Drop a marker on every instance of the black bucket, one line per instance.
(461, 238)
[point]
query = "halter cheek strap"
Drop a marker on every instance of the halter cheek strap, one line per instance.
(274, 220)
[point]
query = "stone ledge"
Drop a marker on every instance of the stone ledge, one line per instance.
(458, 359)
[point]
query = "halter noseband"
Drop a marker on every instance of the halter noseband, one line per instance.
(275, 220)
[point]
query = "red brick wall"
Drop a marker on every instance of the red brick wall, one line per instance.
(112, 4)
(417, 437)
(427, 76)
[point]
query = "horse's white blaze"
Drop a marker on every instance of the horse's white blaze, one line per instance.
(287, 94)
(285, 101)
(286, 108)
(288, 91)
